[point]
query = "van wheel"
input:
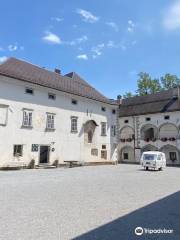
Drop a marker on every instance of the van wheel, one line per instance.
(147, 168)
(160, 169)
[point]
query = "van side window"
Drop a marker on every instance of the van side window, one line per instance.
(159, 157)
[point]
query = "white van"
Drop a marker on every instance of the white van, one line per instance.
(153, 160)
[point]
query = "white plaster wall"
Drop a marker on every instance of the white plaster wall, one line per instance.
(158, 120)
(68, 146)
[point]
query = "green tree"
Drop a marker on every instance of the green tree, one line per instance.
(128, 95)
(143, 83)
(155, 86)
(147, 85)
(169, 81)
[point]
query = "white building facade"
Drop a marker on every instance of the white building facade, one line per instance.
(45, 117)
(150, 123)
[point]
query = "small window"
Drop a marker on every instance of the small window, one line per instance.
(113, 130)
(74, 101)
(27, 118)
(29, 91)
(167, 117)
(126, 121)
(114, 111)
(103, 129)
(103, 146)
(126, 157)
(94, 152)
(18, 150)
(173, 156)
(148, 119)
(74, 124)
(103, 109)
(104, 154)
(51, 96)
(50, 121)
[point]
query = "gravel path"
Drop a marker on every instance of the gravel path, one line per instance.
(98, 202)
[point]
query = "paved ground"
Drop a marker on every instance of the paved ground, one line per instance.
(98, 202)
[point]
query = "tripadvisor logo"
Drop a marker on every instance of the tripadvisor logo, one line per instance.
(138, 231)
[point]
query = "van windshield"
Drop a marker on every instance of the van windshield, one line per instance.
(149, 156)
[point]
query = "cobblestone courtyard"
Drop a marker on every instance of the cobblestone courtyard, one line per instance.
(98, 202)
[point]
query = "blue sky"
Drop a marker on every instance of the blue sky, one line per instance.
(106, 42)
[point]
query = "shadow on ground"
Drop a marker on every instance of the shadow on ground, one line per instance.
(164, 213)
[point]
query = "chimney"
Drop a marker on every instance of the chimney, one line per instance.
(57, 70)
(119, 99)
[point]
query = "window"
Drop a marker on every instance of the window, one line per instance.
(103, 129)
(103, 146)
(104, 154)
(173, 156)
(74, 101)
(29, 91)
(27, 118)
(3, 115)
(148, 119)
(126, 157)
(74, 124)
(18, 150)
(51, 96)
(126, 121)
(90, 136)
(167, 117)
(103, 109)
(94, 152)
(114, 111)
(50, 121)
(113, 130)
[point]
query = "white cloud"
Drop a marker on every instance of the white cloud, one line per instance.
(113, 25)
(97, 50)
(12, 48)
(111, 44)
(171, 20)
(131, 26)
(83, 57)
(87, 16)
(52, 38)
(3, 59)
(79, 40)
(57, 19)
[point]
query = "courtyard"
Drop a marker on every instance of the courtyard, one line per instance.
(97, 202)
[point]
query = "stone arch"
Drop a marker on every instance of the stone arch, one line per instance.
(168, 130)
(149, 132)
(126, 132)
(149, 147)
(126, 154)
(172, 154)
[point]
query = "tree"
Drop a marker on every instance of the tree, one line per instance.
(128, 95)
(169, 81)
(147, 85)
(155, 86)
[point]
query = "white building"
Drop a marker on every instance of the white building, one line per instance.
(45, 116)
(150, 122)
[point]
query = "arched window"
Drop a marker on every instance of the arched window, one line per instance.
(90, 136)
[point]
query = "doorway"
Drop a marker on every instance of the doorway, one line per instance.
(44, 154)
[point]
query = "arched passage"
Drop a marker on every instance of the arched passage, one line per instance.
(149, 132)
(126, 132)
(149, 147)
(168, 131)
(172, 154)
(126, 154)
